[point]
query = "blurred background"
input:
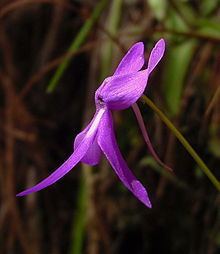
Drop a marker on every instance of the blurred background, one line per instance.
(42, 110)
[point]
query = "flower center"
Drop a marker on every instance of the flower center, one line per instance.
(100, 100)
(100, 103)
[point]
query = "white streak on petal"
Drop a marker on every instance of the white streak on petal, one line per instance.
(96, 122)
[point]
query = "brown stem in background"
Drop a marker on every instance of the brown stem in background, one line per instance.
(14, 5)
(169, 159)
(179, 12)
(164, 30)
(16, 223)
(212, 102)
(14, 111)
(198, 67)
(113, 38)
(49, 67)
(52, 33)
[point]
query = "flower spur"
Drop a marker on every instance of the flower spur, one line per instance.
(117, 92)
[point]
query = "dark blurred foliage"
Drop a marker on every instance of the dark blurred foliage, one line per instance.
(92, 212)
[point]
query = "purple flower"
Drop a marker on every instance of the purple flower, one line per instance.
(117, 92)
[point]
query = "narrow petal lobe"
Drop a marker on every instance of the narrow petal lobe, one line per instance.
(74, 158)
(108, 144)
(133, 61)
(156, 55)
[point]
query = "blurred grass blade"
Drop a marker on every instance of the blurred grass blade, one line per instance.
(183, 141)
(209, 28)
(207, 6)
(158, 7)
(78, 227)
(185, 11)
(76, 43)
(112, 27)
(178, 60)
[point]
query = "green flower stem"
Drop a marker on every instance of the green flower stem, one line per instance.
(183, 141)
(76, 43)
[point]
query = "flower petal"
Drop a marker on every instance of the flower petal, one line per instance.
(74, 158)
(133, 61)
(93, 154)
(108, 144)
(156, 55)
(122, 91)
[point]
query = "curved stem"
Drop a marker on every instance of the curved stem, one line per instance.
(183, 141)
(146, 136)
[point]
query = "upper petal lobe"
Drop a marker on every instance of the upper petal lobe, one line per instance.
(156, 54)
(128, 83)
(120, 92)
(133, 61)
